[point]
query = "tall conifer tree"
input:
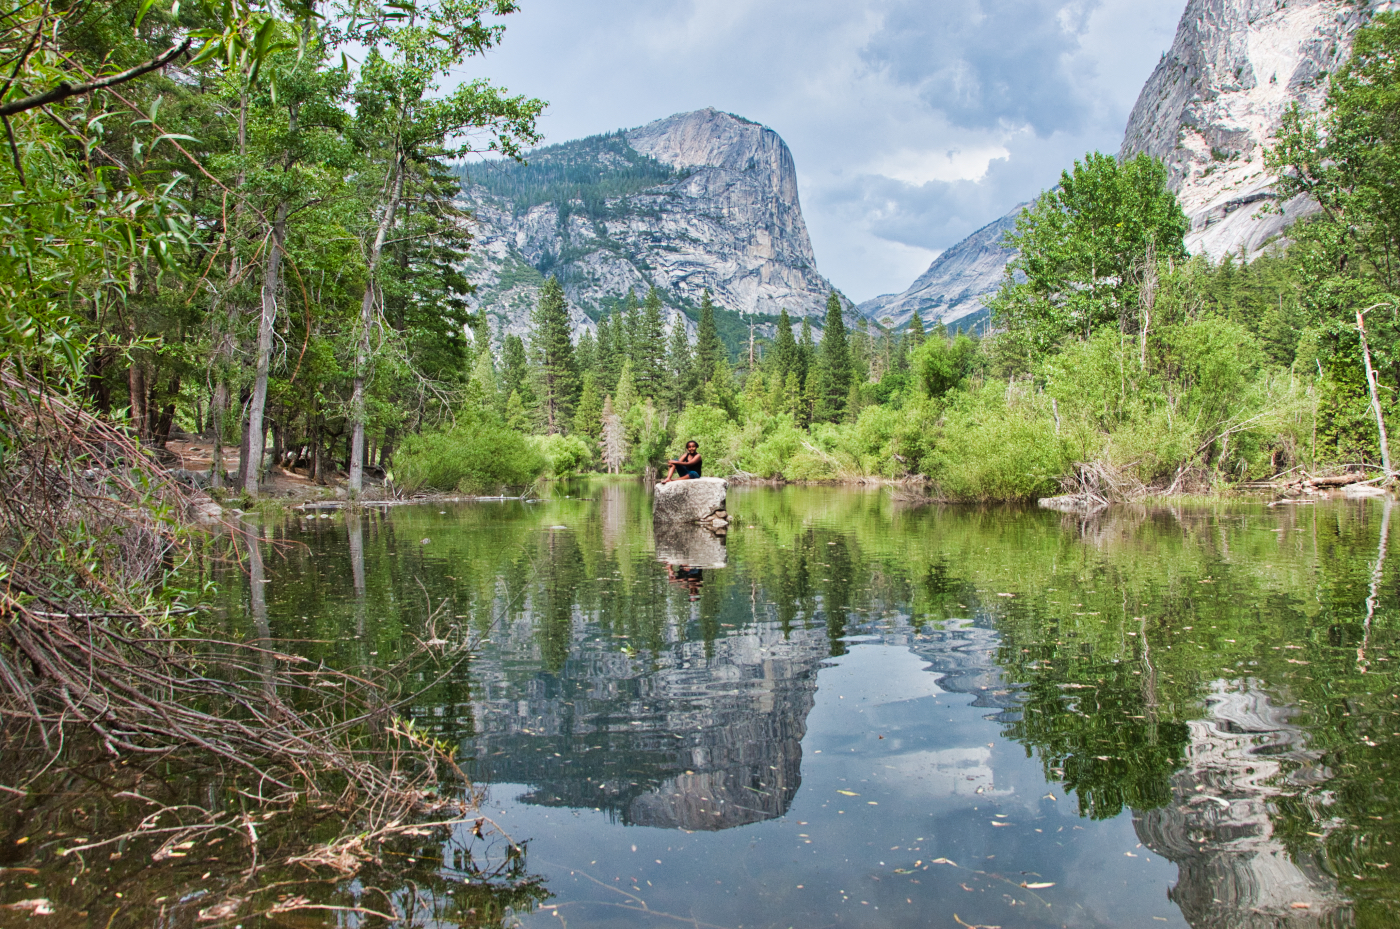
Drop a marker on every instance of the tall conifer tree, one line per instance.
(679, 367)
(833, 368)
(783, 358)
(708, 348)
(915, 333)
(556, 372)
(649, 348)
(806, 353)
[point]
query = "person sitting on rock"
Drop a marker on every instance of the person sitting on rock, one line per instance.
(687, 466)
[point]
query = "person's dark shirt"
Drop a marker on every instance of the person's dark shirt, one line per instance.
(693, 465)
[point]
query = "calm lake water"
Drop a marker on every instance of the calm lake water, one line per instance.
(861, 713)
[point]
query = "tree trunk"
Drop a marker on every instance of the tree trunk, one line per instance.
(357, 395)
(272, 282)
(1375, 398)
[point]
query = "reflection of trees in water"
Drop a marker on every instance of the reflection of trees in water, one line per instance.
(1235, 872)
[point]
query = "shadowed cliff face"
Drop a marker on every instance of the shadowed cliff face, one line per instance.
(1212, 106)
(1235, 873)
(727, 218)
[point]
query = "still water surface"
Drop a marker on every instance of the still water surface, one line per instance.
(857, 713)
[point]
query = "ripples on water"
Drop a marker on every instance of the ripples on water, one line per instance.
(861, 714)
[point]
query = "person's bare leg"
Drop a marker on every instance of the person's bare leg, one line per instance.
(668, 475)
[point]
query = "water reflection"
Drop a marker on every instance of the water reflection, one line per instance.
(1236, 872)
(1184, 715)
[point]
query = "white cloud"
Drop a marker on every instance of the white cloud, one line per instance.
(912, 122)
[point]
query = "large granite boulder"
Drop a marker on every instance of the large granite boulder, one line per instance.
(692, 501)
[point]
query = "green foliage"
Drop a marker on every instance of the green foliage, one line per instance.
(833, 368)
(998, 444)
(556, 374)
(480, 454)
(943, 363)
(1082, 250)
(564, 456)
(708, 350)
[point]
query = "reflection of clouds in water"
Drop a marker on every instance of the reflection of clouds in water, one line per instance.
(948, 772)
(1235, 873)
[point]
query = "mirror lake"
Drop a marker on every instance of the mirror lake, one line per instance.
(854, 711)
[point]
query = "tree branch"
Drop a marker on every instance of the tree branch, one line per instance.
(65, 90)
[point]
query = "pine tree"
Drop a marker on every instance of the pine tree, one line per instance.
(806, 353)
(833, 368)
(588, 417)
(554, 356)
(517, 415)
(609, 363)
(679, 367)
(862, 352)
(915, 332)
(792, 398)
(649, 347)
(625, 327)
(586, 355)
(516, 376)
(626, 393)
(783, 358)
(708, 348)
(482, 394)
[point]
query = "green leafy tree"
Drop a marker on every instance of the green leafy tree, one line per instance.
(1082, 249)
(555, 371)
(403, 125)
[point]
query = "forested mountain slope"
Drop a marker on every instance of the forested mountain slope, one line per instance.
(694, 201)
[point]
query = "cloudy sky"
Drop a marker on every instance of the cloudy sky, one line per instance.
(912, 122)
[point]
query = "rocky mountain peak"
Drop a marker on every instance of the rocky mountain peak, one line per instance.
(695, 201)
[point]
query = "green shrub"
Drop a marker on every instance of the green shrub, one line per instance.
(994, 448)
(565, 455)
(475, 456)
(715, 431)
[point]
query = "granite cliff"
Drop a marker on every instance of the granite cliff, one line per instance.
(1215, 101)
(694, 201)
(1208, 111)
(954, 287)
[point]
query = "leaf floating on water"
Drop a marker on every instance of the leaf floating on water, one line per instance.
(944, 861)
(1301, 906)
(848, 793)
(1038, 885)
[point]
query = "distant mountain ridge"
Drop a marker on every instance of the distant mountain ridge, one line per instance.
(694, 201)
(953, 289)
(1208, 111)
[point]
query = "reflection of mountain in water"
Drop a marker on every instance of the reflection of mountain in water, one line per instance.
(1234, 872)
(700, 742)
